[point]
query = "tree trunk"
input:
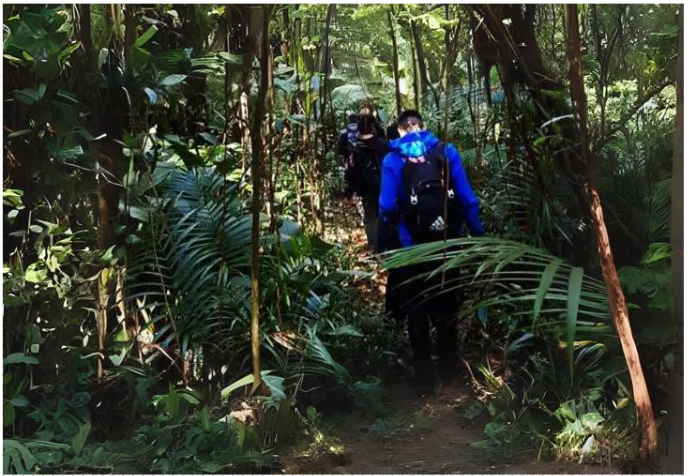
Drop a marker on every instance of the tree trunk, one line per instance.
(616, 299)
(395, 62)
(417, 82)
(325, 40)
(110, 111)
(676, 236)
(248, 38)
(109, 119)
(675, 448)
(418, 46)
(320, 152)
(257, 160)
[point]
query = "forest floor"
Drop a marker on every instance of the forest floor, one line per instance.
(420, 436)
(430, 434)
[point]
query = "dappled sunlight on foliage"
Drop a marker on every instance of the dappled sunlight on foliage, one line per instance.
(188, 286)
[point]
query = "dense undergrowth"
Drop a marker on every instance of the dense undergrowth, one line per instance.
(127, 233)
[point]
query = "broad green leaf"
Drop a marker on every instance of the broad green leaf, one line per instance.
(16, 457)
(8, 414)
(225, 392)
(249, 379)
(14, 59)
(656, 252)
(152, 95)
(20, 401)
(18, 133)
(19, 358)
(67, 52)
(275, 384)
(80, 438)
(546, 280)
(231, 58)
(143, 39)
(591, 420)
(204, 418)
(173, 79)
(345, 330)
(27, 96)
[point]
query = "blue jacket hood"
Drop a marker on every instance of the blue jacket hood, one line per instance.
(414, 144)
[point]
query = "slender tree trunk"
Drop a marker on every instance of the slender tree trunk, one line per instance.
(325, 41)
(616, 299)
(417, 82)
(257, 162)
(109, 118)
(395, 61)
(675, 450)
(110, 111)
(287, 25)
(677, 236)
(486, 86)
(418, 45)
(470, 86)
(320, 152)
(249, 38)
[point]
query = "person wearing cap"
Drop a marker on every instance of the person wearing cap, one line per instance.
(409, 299)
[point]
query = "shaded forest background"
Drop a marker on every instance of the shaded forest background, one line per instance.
(172, 241)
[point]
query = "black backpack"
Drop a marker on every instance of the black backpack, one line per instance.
(429, 189)
(368, 164)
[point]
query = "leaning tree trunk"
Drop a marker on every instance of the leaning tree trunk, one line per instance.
(257, 160)
(395, 62)
(616, 299)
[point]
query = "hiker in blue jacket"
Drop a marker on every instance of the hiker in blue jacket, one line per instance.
(425, 196)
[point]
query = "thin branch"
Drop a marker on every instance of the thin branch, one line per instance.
(619, 125)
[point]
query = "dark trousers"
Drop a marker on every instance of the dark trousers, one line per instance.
(425, 304)
(370, 205)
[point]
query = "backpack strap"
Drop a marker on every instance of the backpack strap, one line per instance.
(438, 152)
(439, 149)
(439, 155)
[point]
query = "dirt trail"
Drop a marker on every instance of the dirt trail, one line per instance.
(417, 435)
(423, 435)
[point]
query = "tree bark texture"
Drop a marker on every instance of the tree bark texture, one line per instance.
(616, 300)
(418, 46)
(507, 36)
(395, 62)
(418, 100)
(110, 118)
(257, 165)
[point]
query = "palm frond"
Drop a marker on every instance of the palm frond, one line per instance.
(519, 279)
(195, 247)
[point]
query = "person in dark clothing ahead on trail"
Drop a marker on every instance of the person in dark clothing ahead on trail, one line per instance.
(425, 196)
(365, 152)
